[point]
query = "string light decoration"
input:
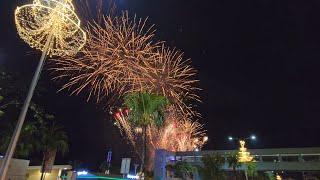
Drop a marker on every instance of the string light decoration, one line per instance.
(50, 20)
(244, 155)
(52, 27)
(111, 59)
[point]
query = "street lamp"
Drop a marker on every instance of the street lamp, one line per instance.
(53, 27)
(252, 137)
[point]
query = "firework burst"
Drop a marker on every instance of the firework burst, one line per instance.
(111, 58)
(170, 75)
(179, 133)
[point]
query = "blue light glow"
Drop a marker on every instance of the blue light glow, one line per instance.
(82, 173)
(130, 176)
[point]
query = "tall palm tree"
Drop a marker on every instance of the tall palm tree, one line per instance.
(52, 140)
(233, 162)
(145, 109)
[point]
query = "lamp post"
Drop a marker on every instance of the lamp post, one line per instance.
(52, 27)
(252, 137)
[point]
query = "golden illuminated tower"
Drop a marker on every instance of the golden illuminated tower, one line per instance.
(244, 155)
(278, 177)
(52, 27)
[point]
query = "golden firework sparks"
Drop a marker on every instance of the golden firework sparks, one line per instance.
(179, 133)
(111, 57)
(170, 75)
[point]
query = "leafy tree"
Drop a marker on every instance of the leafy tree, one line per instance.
(233, 162)
(12, 94)
(212, 167)
(145, 109)
(182, 169)
(52, 139)
(251, 169)
(27, 139)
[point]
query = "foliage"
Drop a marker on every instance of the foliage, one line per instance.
(251, 169)
(233, 161)
(270, 176)
(212, 167)
(182, 169)
(26, 143)
(13, 90)
(51, 137)
(145, 108)
(29, 137)
(12, 94)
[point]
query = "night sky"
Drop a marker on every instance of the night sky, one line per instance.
(258, 63)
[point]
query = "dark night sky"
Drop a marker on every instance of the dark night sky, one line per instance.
(258, 63)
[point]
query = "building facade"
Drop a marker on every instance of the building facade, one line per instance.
(300, 161)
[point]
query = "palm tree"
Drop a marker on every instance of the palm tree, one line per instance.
(233, 162)
(212, 167)
(145, 109)
(52, 140)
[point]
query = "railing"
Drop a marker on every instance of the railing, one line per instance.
(291, 159)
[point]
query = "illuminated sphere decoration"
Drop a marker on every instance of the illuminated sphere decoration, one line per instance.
(52, 27)
(52, 21)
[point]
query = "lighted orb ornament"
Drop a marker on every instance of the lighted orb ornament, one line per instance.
(52, 27)
(50, 20)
